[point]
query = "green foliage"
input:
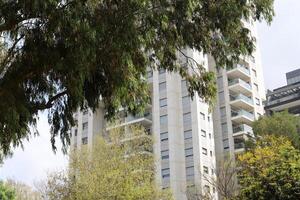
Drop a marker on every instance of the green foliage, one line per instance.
(59, 55)
(279, 124)
(270, 171)
(121, 169)
(6, 192)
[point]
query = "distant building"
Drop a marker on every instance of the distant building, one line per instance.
(286, 97)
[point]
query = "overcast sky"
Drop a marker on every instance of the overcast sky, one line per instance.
(280, 53)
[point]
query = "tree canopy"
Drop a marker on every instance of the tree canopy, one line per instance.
(118, 168)
(58, 55)
(6, 192)
(279, 124)
(270, 171)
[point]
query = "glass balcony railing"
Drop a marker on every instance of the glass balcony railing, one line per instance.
(239, 145)
(242, 127)
(242, 112)
(241, 97)
(241, 67)
(239, 81)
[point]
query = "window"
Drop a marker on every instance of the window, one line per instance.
(203, 133)
(257, 101)
(254, 72)
(202, 115)
(75, 132)
(187, 117)
(163, 119)
(204, 151)
(223, 112)
(221, 97)
(164, 154)
(84, 126)
(164, 136)
(220, 82)
(190, 171)
(211, 153)
(165, 173)
(212, 171)
(162, 86)
(208, 118)
(85, 111)
(205, 169)
(224, 128)
(161, 71)
(84, 140)
(209, 135)
(163, 102)
(256, 86)
(185, 100)
(188, 134)
(188, 152)
(226, 144)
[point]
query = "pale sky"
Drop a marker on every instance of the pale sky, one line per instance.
(280, 53)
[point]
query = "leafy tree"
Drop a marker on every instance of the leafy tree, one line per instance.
(122, 169)
(270, 171)
(59, 54)
(6, 192)
(23, 191)
(279, 124)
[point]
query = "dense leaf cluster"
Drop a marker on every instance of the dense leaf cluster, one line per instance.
(58, 55)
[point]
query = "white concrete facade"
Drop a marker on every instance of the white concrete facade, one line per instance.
(240, 95)
(182, 130)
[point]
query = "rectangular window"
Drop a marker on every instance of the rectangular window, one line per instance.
(163, 119)
(84, 140)
(164, 136)
(165, 173)
(208, 118)
(188, 152)
(84, 126)
(202, 115)
(224, 128)
(211, 153)
(257, 101)
(190, 171)
(188, 134)
(75, 132)
(203, 133)
(185, 100)
(221, 97)
(209, 135)
(256, 87)
(187, 117)
(163, 102)
(162, 70)
(164, 154)
(204, 151)
(162, 86)
(223, 112)
(226, 144)
(205, 169)
(254, 72)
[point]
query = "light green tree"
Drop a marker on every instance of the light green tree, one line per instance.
(279, 124)
(122, 169)
(271, 170)
(6, 192)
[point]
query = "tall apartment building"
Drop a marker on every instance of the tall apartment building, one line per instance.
(182, 130)
(286, 97)
(239, 102)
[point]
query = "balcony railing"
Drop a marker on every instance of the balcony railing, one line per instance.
(239, 81)
(242, 127)
(242, 112)
(241, 97)
(240, 145)
(241, 67)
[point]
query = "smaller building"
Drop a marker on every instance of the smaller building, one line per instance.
(286, 97)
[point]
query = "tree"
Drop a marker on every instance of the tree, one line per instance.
(279, 124)
(6, 192)
(122, 169)
(63, 54)
(270, 171)
(23, 191)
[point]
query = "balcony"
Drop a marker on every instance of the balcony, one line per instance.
(239, 147)
(242, 130)
(239, 86)
(241, 101)
(145, 120)
(239, 71)
(242, 116)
